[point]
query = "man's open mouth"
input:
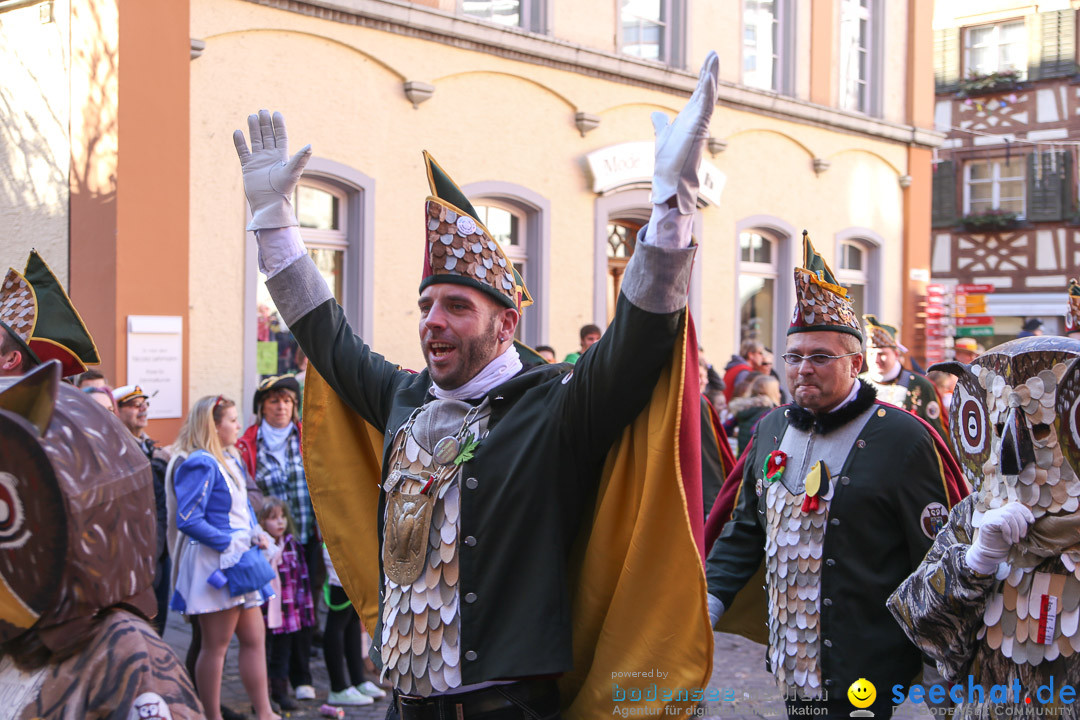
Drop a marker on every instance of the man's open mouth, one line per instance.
(439, 350)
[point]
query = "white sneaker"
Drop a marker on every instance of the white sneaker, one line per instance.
(371, 690)
(305, 692)
(349, 696)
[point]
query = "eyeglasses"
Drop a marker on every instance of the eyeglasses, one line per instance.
(817, 360)
(136, 405)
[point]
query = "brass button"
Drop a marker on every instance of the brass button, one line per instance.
(470, 541)
(827, 602)
(470, 655)
(844, 479)
(471, 483)
(470, 597)
(833, 522)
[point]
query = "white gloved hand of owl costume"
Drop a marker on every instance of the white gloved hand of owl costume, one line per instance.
(1001, 528)
(270, 175)
(678, 144)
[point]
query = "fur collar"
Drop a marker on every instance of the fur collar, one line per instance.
(824, 424)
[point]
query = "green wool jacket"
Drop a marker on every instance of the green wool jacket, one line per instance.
(532, 481)
(889, 500)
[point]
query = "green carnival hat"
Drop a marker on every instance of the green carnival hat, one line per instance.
(459, 249)
(40, 316)
(821, 303)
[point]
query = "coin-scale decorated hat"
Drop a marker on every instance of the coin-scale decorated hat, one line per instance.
(39, 315)
(821, 303)
(880, 335)
(1072, 313)
(460, 250)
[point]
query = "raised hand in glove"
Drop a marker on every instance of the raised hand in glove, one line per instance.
(678, 144)
(1001, 529)
(270, 175)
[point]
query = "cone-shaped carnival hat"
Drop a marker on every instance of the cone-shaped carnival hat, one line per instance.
(880, 335)
(1072, 313)
(460, 250)
(820, 302)
(40, 316)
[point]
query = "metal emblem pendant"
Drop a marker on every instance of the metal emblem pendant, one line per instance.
(446, 450)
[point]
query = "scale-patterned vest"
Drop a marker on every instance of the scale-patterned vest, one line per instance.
(420, 616)
(794, 542)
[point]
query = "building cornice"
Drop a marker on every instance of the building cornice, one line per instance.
(467, 33)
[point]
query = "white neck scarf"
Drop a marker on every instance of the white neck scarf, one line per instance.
(275, 438)
(498, 371)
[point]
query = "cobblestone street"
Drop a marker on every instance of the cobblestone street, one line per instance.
(738, 664)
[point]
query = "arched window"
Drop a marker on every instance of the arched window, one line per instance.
(852, 267)
(509, 230)
(320, 209)
(858, 268)
(335, 207)
(518, 218)
(758, 251)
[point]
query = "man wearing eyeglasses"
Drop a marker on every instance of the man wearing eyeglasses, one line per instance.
(132, 406)
(838, 499)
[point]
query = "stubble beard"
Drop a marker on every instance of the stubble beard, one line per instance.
(476, 352)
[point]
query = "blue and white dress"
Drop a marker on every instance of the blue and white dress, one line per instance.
(210, 511)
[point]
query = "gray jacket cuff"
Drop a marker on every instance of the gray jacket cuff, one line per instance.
(298, 289)
(657, 278)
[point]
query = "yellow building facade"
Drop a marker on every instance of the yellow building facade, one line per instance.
(541, 110)
(547, 125)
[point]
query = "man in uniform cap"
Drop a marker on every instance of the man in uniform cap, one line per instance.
(39, 323)
(838, 496)
(896, 384)
(132, 407)
(496, 475)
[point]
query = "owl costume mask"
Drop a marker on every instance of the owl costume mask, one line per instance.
(75, 580)
(1015, 427)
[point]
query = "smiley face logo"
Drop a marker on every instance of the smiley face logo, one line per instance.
(862, 693)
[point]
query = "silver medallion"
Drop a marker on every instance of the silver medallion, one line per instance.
(446, 450)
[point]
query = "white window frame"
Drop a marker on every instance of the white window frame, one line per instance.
(783, 75)
(673, 33)
(533, 212)
(870, 277)
(995, 182)
(995, 41)
(532, 14)
(869, 103)
(783, 261)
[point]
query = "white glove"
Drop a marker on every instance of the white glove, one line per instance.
(716, 609)
(270, 175)
(240, 544)
(1000, 530)
(678, 145)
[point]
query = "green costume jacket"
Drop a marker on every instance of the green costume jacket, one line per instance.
(915, 394)
(532, 481)
(889, 498)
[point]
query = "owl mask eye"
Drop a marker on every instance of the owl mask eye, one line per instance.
(12, 517)
(972, 422)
